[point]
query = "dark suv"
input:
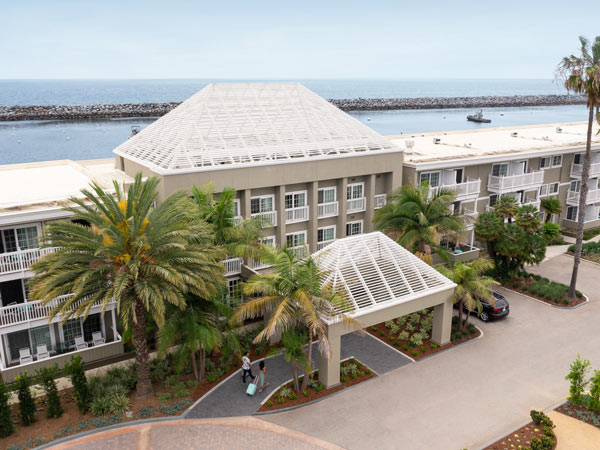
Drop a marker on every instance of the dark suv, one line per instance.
(489, 312)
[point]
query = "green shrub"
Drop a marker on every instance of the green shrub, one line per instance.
(118, 404)
(416, 340)
(405, 347)
(389, 323)
(146, 412)
(403, 335)
(285, 392)
(424, 348)
(594, 400)
(577, 378)
(588, 234)
(401, 321)
(374, 329)
(159, 369)
(191, 384)
(319, 388)
(415, 352)
(368, 371)
(381, 333)
(47, 376)
(76, 374)
(305, 393)
(269, 403)
(7, 426)
(415, 318)
(410, 327)
(100, 406)
(434, 346)
(164, 397)
(26, 403)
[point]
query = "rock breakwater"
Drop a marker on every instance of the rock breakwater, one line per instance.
(52, 112)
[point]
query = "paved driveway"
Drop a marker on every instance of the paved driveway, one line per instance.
(469, 395)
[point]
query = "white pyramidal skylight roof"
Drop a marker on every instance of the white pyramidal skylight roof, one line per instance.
(377, 272)
(239, 124)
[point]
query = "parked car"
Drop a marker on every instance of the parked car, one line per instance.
(489, 312)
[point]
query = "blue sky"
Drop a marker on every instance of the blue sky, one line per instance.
(287, 39)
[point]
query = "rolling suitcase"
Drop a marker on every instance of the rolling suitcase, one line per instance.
(251, 390)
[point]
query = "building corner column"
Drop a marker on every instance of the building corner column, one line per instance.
(280, 208)
(370, 203)
(341, 186)
(313, 219)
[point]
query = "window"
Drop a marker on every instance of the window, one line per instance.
(296, 239)
(543, 190)
(354, 228)
(71, 329)
(557, 161)
(432, 178)
(545, 162)
(572, 213)
(326, 195)
(325, 234)
(269, 241)
(578, 158)
(233, 288)
(493, 199)
(575, 186)
(236, 207)
(261, 204)
(354, 191)
(91, 325)
(40, 336)
(295, 200)
(500, 170)
(15, 239)
(553, 188)
(17, 341)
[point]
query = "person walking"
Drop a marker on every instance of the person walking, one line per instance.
(246, 367)
(262, 373)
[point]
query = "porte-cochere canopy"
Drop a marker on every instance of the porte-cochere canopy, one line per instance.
(375, 272)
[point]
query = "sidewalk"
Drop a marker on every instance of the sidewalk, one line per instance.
(573, 434)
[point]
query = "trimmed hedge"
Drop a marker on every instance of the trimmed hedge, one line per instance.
(589, 248)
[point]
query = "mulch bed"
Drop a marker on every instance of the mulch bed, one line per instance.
(580, 413)
(275, 402)
(522, 436)
(518, 284)
(381, 331)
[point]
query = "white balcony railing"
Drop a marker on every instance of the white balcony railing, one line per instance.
(534, 202)
(577, 169)
(268, 218)
(299, 214)
(355, 205)
(233, 266)
(469, 217)
(515, 182)
(258, 264)
(327, 209)
(237, 219)
(34, 310)
(380, 201)
(469, 188)
(321, 245)
(593, 196)
(300, 251)
(22, 260)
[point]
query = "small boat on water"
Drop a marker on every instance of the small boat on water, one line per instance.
(478, 117)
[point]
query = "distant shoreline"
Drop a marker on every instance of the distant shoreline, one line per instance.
(53, 112)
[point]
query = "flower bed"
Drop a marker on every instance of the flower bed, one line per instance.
(545, 290)
(536, 435)
(411, 334)
(351, 372)
(589, 251)
(580, 412)
(173, 393)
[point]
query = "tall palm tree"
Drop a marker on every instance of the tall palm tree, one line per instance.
(581, 74)
(472, 286)
(506, 207)
(241, 239)
(143, 257)
(528, 218)
(195, 331)
(415, 216)
(550, 205)
(293, 296)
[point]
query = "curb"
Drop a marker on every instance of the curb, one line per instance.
(568, 308)
(454, 346)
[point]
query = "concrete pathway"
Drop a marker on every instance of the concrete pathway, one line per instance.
(226, 434)
(573, 434)
(471, 394)
(229, 398)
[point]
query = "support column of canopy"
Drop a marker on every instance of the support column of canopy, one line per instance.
(329, 368)
(442, 323)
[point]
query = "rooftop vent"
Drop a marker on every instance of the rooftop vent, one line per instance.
(409, 144)
(514, 134)
(437, 140)
(558, 129)
(468, 145)
(545, 138)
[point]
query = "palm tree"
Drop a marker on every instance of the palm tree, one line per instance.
(506, 207)
(472, 286)
(414, 216)
(293, 296)
(489, 227)
(196, 331)
(550, 205)
(528, 218)
(581, 74)
(143, 257)
(292, 347)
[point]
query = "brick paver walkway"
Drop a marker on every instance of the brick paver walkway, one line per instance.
(231, 433)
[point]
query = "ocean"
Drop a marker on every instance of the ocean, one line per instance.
(30, 141)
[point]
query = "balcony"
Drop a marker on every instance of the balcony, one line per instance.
(593, 196)
(299, 214)
(464, 191)
(22, 260)
(233, 266)
(258, 264)
(577, 170)
(510, 183)
(327, 210)
(237, 220)
(355, 205)
(34, 310)
(300, 251)
(380, 201)
(469, 217)
(268, 218)
(527, 201)
(322, 244)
